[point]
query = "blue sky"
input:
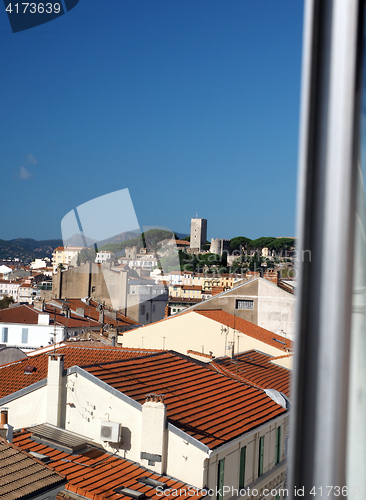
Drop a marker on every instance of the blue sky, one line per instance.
(193, 105)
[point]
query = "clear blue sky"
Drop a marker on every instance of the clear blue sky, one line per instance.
(193, 105)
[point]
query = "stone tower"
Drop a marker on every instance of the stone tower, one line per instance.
(198, 233)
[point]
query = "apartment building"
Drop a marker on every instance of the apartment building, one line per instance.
(167, 413)
(214, 332)
(67, 256)
(103, 257)
(28, 328)
(9, 288)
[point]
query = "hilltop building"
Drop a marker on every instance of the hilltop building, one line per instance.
(219, 246)
(198, 234)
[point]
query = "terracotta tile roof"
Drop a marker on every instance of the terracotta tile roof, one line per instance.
(211, 407)
(27, 314)
(96, 473)
(91, 312)
(184, 300)
(13, 378)
(19, 314)
(23, 476)
(256, 367)
(247, 328)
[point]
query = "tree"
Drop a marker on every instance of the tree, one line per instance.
(152, 237)
(239, 241)
(86, 255)
(6, 301)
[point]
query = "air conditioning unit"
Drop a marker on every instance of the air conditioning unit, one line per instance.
(110, 431)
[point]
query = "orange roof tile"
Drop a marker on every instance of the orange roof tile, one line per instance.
(13, 378)
(211, 407)
(96, 473)
(91, 312)
(28, 314)
(247, 328)
(256, 367)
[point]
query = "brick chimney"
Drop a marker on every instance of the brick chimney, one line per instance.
(6, 430)
(54, 388)
(167, 311)
(154, 433)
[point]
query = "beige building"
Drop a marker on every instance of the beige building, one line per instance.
(123, 290)
(259, 301)
(67, 256)
(212, 332)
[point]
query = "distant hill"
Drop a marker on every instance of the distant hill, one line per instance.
(27, 249)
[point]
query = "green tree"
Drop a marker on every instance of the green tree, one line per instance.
(86, 255)
(6, 301)
(239, 241)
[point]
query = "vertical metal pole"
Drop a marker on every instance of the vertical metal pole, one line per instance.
(326, 193)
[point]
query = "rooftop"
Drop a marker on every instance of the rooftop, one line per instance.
(247, 328)
(27, 314)
(15, 376)
(255, 367)
(211, 407)
(23, 476)
(95, 473)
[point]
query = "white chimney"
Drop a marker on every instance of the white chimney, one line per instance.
(153, 433)
(43, 319)
(54, 388)
(6, 430)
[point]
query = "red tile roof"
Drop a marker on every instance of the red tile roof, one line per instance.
(256, 367)
(27, 314)
(96, 473)
(91, 312)
(247, 328)
(23, 476)
(211, 407)
(13, 378)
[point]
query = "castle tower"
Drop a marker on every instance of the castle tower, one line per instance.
(198, 233)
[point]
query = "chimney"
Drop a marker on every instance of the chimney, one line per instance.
(54, 388)
(167, 311)
(6, 430)
(153, 433)
(101, 317)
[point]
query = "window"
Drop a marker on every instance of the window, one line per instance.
(5, 335)
(143, 309)
(243, 453)
(24, 335)
(261, 456)
(244, 304)
(278, 446)
(220, 479)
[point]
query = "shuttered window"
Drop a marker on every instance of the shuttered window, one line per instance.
(243, 453)
(220, 479)
(261, 456)
(278, 445)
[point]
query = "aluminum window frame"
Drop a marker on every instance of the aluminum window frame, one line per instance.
(329, 143)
